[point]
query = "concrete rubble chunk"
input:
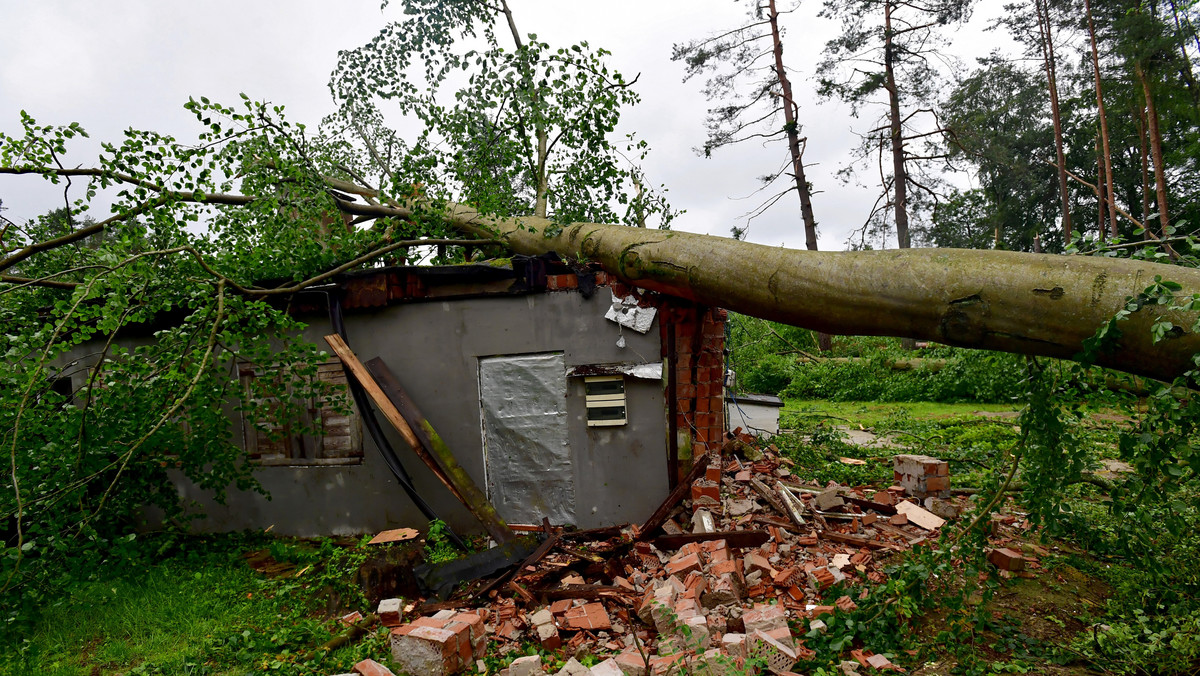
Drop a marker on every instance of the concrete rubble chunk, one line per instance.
(573, 668)
(703, 522)
(608, 667)
(697, 627)
(734, 644)
(541, 617)
(828, 500)
(530, 665)
(426, 651)
(879, 662)
(764, 618)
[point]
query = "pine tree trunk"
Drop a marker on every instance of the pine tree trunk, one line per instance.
(1155, 136)
(1047, 45)
(900, 177)
(1145, 164)
(1105, 150)
(792, 128)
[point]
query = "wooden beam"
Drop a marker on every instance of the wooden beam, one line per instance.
(740, 539)
(450, 473)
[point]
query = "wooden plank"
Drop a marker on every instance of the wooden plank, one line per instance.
(660, 515)
(741, 539)
(482, 510)
(768, 495)
(432, 442)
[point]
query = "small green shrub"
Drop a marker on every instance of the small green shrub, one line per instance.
(438, 548)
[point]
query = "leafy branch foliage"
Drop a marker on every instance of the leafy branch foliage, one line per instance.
(124, 334)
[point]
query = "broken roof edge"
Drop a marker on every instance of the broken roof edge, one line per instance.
(650, 371)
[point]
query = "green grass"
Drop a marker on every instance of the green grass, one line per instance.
(871, 414)
(202, 610)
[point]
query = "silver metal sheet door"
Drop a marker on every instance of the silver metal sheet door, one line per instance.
(523, 401)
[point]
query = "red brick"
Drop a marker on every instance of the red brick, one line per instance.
(686, 391)
(682, 565)
(462, 638)
(1006, 559)
(846, 604)
(818, 611)
(784, 577)
(704, 489)
(754, 561)
(934, 484)
(428, 622)
(898, 520)
(590, 616)
(713, 473)
(723, 567)
(370, 667)
(821, 579)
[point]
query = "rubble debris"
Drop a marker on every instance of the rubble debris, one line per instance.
(768, 552)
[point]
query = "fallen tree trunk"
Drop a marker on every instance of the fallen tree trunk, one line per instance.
(995, 300)
(1023, 303)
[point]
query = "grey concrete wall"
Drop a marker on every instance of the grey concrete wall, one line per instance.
(434, 350)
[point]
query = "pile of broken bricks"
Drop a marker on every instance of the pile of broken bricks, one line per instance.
(737, 555)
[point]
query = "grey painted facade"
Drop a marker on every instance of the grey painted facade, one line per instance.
(434, 347)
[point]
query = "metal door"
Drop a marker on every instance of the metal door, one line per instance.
(527, 460)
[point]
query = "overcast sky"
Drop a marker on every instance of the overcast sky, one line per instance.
(134, 63)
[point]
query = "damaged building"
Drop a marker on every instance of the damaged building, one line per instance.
(561, 393)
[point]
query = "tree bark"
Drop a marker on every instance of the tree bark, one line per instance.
(792, 127)
(1145, 163)
(900, 177)
(1155, 136)
(996, 300)
(1106, 153)
(1047, 44)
